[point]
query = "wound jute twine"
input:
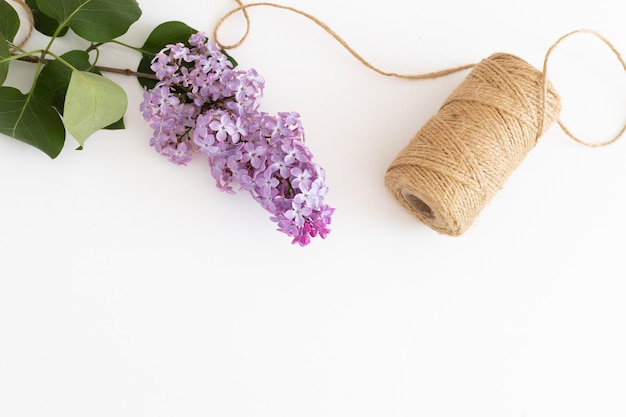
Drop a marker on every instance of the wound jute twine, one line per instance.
(463, 155)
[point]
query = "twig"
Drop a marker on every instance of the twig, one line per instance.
(126, 71)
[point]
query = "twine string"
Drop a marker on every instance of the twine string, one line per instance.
(244, 8)
(561, 124)
(30, 21)
(429, 75)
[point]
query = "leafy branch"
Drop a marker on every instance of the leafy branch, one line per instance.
(69, 93)
(197, 104)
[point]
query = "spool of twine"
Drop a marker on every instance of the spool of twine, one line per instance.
(464, 154)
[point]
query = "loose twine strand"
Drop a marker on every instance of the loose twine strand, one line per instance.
(562, 125)
(30, 21)
(244, 8)
(421, 76)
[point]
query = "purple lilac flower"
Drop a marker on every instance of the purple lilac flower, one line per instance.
(201, 104)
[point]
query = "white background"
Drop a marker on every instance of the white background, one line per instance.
(133, 287)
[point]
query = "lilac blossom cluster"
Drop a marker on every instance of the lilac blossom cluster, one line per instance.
(201, 104)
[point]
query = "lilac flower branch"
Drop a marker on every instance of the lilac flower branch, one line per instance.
(201, 105)
(195, 101)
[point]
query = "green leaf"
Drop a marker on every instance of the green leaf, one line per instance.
(93, 20)
(5, 54)
(54, 78)
(119, 125)
(230, 58)
(9, 21)
(92, 102)
(26, 118)
(165, 34)
(43, 23)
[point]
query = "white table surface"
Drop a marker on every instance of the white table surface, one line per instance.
(133, 287)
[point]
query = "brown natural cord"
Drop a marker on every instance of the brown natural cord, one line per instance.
(244, 8)
(30, 22)
(545, 83)
(465, 153)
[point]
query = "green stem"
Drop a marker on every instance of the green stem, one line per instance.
(61, 27)
(95, 46)
(28, 97)
(45, 51)
(95, 60)
(64, 62)
(134, 48)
